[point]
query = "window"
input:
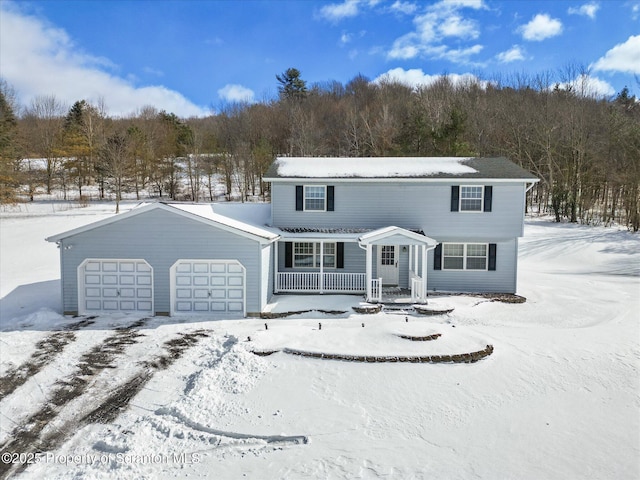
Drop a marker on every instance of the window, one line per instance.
(314, 198)
(453, 256)
(464, 256)
(303, 254)
(307, 255)
(471, 199)
(388, 255)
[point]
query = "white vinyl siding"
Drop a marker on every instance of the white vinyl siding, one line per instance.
(465, 256)
(406, 205)
(315, 197)
(471, 198)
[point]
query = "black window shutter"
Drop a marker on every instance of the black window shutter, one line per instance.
(340, 255)
(299, 198)
(330, 197)
(288, 254)
(437, 257)
(488, 196)
(455, 197)
(492, 256)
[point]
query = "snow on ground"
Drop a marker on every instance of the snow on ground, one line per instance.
(559, 397)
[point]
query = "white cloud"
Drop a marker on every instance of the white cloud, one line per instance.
(456, 26)
(345, 38)
(236, 93)
(589, 86)
(476, 4)
(45, 61)
(439, 22)
(406, 8)
(588, 9)
(338, 11)
(540, 27)
(624, 57)
(514, 54)
(415, 77)
(461, 55)
(153, 71)
(404, 48)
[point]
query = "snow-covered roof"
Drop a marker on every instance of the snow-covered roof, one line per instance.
(386, 234)
(249, 220)
(248, 217)
(395, 167)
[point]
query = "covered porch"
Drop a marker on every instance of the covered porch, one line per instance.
(374, 263)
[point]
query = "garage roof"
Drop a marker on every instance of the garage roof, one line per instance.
(246, 223)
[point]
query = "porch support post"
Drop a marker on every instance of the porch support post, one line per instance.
(411, 255)
(369, 271)
(424, 272)
(321, 279)
(276, 288)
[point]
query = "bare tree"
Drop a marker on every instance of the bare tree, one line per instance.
(45, 116)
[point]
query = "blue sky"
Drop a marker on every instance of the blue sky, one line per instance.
(191, 57)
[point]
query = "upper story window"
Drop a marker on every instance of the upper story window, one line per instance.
(471, 199)
(315, 198)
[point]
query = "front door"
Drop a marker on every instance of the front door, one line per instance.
(388, 264)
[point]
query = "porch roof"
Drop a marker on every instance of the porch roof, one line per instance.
(395, 236)
(340, 235)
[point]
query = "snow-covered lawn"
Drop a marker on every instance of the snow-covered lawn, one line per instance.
(558, 399)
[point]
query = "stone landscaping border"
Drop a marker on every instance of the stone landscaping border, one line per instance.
(491, 297)
(368, 309)
(426, 338)
(471, 357)
(433, 309)
(272, 315)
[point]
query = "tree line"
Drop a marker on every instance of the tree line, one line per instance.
(584, 148)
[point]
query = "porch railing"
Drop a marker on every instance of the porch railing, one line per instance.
(416, 288)
(315, 282)
(376, 290)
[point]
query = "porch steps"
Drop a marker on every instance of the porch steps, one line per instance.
(397, 309)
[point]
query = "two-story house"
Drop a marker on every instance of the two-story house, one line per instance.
(334, 225)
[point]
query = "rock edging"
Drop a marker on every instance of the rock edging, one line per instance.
(471, 357)
(426, 338)
(272, 315)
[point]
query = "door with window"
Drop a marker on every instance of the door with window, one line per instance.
(388, 264)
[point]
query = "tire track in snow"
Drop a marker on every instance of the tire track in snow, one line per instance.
(46, 350)
(27, 437)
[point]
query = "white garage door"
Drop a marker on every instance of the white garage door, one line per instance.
(207, 287)
(111, 285)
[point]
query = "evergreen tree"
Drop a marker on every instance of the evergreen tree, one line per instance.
(9, 151)
(74, 145)
(291, 85)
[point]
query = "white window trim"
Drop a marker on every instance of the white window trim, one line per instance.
(304, 198)
(481, 199)
(316, 252)
(464, 258)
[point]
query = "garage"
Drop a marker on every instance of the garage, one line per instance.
(208, 287)
(115, 285)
